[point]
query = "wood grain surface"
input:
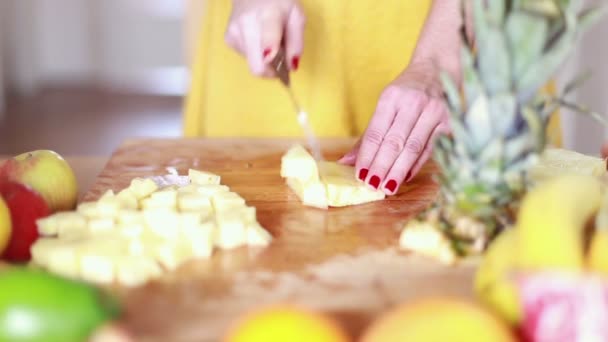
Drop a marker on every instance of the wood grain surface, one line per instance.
(343, 261)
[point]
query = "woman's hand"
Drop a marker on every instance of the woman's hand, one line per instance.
(258, 27)
(399, 138)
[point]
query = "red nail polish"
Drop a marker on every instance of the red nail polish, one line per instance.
(409, 176)
(375, 182)
(363, 174)
(295, 62)
(267, 52)
(391, 185)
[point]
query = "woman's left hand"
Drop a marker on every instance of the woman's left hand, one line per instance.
(398, 141)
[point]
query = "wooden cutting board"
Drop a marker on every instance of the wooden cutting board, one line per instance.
(343, 261)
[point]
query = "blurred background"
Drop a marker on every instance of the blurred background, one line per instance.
(80, 76)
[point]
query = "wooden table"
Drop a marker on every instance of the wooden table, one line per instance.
(342, 261)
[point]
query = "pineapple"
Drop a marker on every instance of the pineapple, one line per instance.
(498, 120)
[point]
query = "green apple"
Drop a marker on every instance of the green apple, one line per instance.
(5, 225)
(48, 174)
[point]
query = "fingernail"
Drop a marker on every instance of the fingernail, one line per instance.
(295, 62)
(363, 174)
(409, 176)
(375, 182)
(267, 52)
(391, 185)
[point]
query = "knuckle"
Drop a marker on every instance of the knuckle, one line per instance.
(391, 93)
(394, 143)
(414, 145)
(373, 137)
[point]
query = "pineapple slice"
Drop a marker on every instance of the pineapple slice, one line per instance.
(337, 187)
(298, 164)
(203, 178)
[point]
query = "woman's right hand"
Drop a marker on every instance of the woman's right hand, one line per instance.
(258, 27)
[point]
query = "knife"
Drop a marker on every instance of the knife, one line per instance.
(279, 64)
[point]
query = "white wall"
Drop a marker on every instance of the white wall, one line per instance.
(581, 133)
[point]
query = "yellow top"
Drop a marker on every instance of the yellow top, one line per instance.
(352, 50)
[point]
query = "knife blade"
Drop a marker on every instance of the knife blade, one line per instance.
(279, 64)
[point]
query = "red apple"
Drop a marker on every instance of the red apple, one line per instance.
(25, 207)
(48, 174)
(5, 225)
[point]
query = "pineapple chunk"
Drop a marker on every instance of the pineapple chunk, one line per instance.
(142, 187)
(127, 199)
(337, 187)
(190, 219)
(200, 238)
(164, 223)
(88, 209)
(192, 201)
(257, 235)
(136, 271)
(202, 177)
(167, 197)
(108, 194)
(101, 225)
(62, 223)
(223, 200)
(230, 232)
(245, 213)
(298, 164)
(57, 255)
(128, 216)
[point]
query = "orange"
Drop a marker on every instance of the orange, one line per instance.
(286, 323)
(438, 320)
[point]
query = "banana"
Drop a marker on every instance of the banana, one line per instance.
(551, 222)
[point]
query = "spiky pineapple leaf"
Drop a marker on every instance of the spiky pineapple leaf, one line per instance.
(479, 123)
(494, 61)
(471, 80)
(527, 34)
(496, 11)
(452, 93)
(536, 126)
(591, 16)
(503, 109)
(540, 72)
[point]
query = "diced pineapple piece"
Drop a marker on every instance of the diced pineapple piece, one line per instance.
(298, 164)
(107, 194)
(108, 207)
(142, 187)
(167, 197)
(172, 254)
(163, 223)
(127, 199)
(62, 223)
(136, 271)
(313, 194)
(203, 177)
(200, 238)
(257, 235)
(343, 189)
(245, 213)
(230, 232)
(88, 209)
(97, 267)
(102, 225)
(129, 216)
(193, 201)
(190, 219)
(59, 256)
(226, 199)
(188, 188)
(132, 230)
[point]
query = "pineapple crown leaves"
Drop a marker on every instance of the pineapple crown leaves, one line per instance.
(498, 120)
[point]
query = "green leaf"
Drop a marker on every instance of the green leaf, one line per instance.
(527, 35)
(471, 81)
(590, 17)
(494, 61)
(478, 122)
(536, 126)
(496, 11)
(517, 147)
(452, 93)
(541, 71)
(503, 109)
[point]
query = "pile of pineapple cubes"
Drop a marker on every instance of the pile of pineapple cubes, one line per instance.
(145, 230)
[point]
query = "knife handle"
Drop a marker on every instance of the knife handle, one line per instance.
(279, 64)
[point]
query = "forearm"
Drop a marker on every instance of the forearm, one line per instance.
(440, 40)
